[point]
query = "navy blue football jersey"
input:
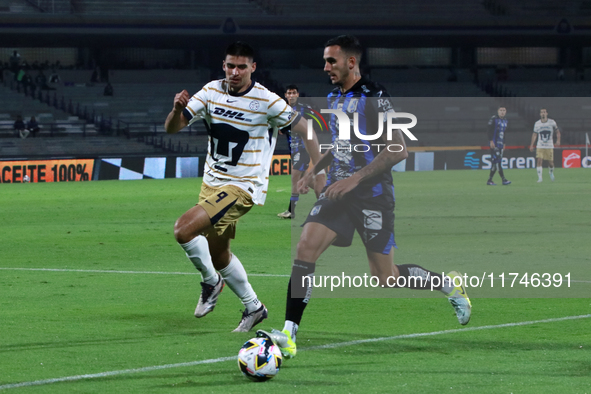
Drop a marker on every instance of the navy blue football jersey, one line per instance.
(496, 130)
(367, 99)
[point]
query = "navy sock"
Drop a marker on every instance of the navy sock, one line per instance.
(421, 278)
(299, 290)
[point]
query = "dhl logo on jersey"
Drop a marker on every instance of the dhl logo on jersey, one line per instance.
(228, 113)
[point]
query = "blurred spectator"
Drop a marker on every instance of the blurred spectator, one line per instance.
(229, 26)
(94, 78)
(15, 61)
(28, 83)
(41, 81)
(453, 76)
(33, 126)
(54, 77)
(19, 127)
(18, 76)
(560, 74)
(3, 68)
(108, 90)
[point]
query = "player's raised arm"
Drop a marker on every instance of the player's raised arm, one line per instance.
(175, 121)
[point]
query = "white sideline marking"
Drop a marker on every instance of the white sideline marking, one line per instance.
(327, 346)
(161, 272)
(121, 272)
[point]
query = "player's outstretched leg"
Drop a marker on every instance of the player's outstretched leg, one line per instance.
(458, 298)
(433, 281)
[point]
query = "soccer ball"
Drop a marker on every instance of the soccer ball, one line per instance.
(259, 359)
(26, 179)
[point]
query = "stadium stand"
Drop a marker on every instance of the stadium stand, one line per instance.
(144, 7)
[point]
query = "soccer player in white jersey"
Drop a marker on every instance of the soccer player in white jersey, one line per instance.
(242, 118)
(544, 130)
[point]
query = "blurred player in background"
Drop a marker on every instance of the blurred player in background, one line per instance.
(300, 159)
(238, 114)
(544, 130)
(497, 127)
(359, 196)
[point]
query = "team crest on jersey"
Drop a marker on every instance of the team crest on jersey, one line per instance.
(254, 105)
(353, 105)
(315, 210)
(340, 152)
(385, 105)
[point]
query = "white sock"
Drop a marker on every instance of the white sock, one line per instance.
(551, 170)
(292, 328)
(197, 251)
(235, 277)
(539, 169)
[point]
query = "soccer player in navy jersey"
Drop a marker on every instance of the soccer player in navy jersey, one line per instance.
(497, 127)
(300, 159)
(358, 196)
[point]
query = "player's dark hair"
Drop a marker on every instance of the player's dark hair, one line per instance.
(292, 87)
(240, 48)
(349, 44)
(502, 106)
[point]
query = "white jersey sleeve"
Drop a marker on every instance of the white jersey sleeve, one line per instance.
(279, 114)
(197, 106)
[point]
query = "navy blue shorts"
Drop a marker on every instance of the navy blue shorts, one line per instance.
(373, 219)
(300, 160)
(496, 155)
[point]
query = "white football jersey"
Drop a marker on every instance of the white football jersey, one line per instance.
(242, 134)
(545, 132)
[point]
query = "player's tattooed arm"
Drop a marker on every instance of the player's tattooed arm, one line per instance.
(383, 162)
(175, 121)
(557, 137)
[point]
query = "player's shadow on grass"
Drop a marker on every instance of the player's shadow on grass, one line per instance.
(230, 376)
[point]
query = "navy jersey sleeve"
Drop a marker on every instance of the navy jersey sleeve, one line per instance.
(491, 128)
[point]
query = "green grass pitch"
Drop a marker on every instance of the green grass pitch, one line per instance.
(69, 326)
